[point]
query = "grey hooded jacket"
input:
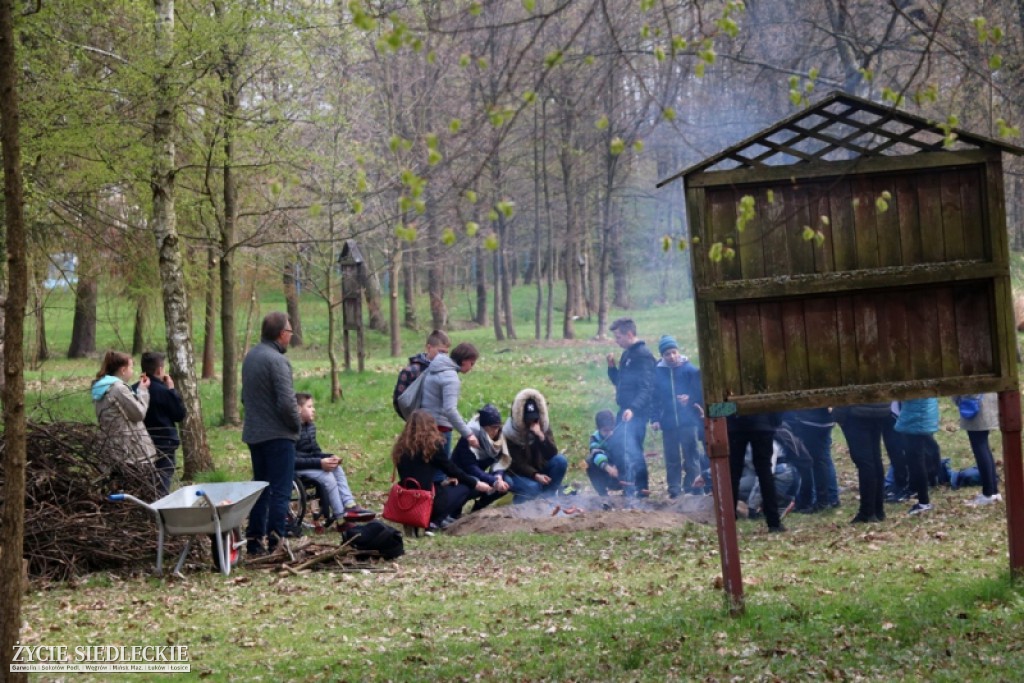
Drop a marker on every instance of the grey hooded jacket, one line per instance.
(441, 388)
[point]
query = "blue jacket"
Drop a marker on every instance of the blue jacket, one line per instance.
(670, 382)
(919, 416)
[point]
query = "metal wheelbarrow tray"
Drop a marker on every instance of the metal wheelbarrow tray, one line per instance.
(216, 509)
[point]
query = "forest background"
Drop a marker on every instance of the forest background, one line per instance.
(180, 157)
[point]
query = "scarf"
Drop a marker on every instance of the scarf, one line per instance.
(495, 450)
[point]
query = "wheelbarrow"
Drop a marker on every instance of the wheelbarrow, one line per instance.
(217, 510)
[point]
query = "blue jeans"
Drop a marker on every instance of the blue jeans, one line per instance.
(525, 489)
(818, 485)
(864, 437)
(681, 454)
(273, 462)
(634, 433)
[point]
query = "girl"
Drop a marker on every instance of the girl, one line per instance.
(419, 454)
(120, 412)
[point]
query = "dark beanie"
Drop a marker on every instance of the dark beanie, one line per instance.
(667, 342)
(605, 419)
(531, 412)
(489, 415)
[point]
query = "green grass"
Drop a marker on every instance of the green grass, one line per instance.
(911, 599)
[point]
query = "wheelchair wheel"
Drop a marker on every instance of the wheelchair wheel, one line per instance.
(296, 510)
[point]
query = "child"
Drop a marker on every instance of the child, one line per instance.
(678, 412)
(605, 452)
(487, 462)
(437, 342)
(323, 468)
(165, 410)
(419, 454)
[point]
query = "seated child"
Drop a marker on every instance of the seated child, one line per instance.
(324, 469)
(488, 461)
(606, 455)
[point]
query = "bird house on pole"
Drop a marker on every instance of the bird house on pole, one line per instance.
(351, 264)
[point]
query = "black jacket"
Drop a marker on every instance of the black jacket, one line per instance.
(165, 409)
(413, 466)
(634, 380)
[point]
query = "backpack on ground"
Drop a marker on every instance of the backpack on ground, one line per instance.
(411, 399)
(375, 536)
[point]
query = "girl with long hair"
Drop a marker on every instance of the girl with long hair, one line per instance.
(419, 454)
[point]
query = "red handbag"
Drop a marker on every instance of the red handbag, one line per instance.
(409, 504)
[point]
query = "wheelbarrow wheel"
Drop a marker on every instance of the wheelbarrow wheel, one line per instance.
(296, 510)
(233, 541)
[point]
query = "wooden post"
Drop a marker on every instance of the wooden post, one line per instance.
(1010, 424)
(717, 439)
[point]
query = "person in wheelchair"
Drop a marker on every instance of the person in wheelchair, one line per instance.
(324, 469)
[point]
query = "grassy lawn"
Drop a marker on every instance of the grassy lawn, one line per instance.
(922, 598)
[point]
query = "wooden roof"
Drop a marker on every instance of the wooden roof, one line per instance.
(841, 127)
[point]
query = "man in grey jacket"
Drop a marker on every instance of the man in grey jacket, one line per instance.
(270, 428)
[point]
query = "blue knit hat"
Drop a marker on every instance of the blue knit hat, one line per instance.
(667, 342)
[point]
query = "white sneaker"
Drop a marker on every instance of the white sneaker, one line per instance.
(981, 499)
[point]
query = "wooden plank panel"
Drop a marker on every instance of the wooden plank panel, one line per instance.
(776, 252)
(750, 252)
(751, 350)
(722, 228)
(868, 351)
(844, 239)
(895, 306)
(929, 207)
(890, 251)
(977, 241)
(864, 221)
(886, 352)
(974, 326)
(824, 367)
(776, 372)
(824, 260)
(949, 342)
(795, 343)
(923, 335)
(696, 214)
(911, 250)
(801, 251)
(721, 370)
(846, 323)
(952, 215)
(995, 209)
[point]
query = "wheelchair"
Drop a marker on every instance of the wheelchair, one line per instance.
(309, 498)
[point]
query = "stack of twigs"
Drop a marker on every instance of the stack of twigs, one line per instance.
(302, 555)
(71, 529)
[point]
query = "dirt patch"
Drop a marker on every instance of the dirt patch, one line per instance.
(586, 513)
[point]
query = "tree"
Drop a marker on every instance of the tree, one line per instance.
(177, 312)
(12, 516)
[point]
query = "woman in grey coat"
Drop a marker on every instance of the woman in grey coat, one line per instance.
(441, 388)
(977, 429)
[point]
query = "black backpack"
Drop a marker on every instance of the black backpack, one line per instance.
(385, 539)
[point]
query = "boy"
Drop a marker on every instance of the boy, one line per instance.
(437, 342)
(323, 468)
(605, 453)
(165, 410)
(678, 413)
(634, 389)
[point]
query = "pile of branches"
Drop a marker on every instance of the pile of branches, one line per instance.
(71, 529)
(300, 556)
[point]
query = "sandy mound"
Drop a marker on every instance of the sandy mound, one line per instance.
(586, 513)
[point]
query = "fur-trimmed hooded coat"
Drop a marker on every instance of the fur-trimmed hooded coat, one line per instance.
(529, 454)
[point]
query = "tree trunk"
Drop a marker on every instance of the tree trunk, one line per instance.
(209, 370)
(371, 293)
(480, 277)
(499, 331)
(42, 347)
(177, 317)
(139, 327)
(435, 271)
(394, 266)
(291, 300)
(409, 286)
(12, 513)
(83, 328)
